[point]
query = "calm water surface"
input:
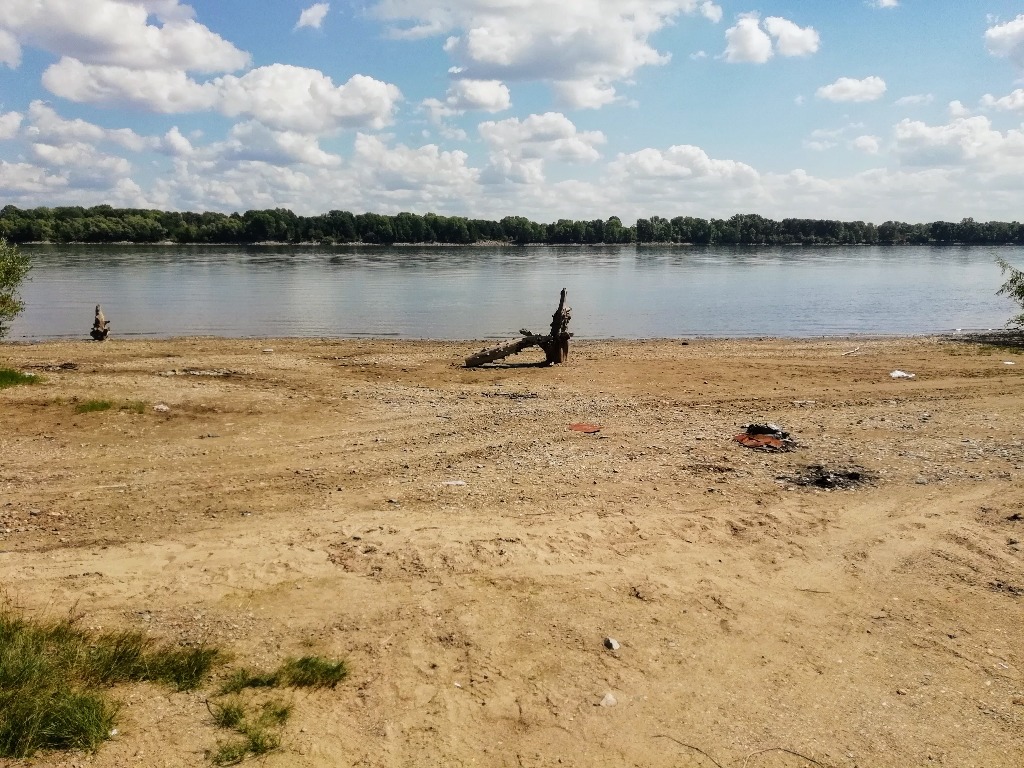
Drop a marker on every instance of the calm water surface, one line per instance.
(462, 293)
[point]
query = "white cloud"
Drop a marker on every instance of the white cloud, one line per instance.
(915, 100)
(313, 16)
(282, 96)
(583, 48)
(747, 42)
(754, 41)
(46, 126)
(10, 122)
(884, 3)
(1014, 102)
(286, 97)
(401, 168)
(965, 142)
(10, 50)
(848, 89)
(82, 164)
(118, 33)
(1007, 40)
(711, 11)
(465, 95)
(790, 39)
(871, 145)
(27, 179)
(176, 145)
(550, 135)
(253, 141)
(681, 162)
(957, 110)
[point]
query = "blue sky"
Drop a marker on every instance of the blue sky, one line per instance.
(850, 109)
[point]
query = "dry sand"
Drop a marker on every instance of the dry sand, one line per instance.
(445, 532)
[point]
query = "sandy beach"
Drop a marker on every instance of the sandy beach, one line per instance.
(447, 533)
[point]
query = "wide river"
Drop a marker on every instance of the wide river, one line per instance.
(484, 292)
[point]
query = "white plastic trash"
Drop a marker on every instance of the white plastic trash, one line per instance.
(902, 375)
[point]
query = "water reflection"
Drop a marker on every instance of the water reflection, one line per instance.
(451, 293)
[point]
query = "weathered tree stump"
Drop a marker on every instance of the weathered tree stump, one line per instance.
(100, 326)
(555, 344)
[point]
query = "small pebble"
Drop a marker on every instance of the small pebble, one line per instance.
(609, 700)
(611, 644)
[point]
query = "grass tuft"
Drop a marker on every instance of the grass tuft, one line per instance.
(92, 406)
(229, 752)
(242, 678)
(12, 378)
(229, 714)
(313, 672)
(55, 676)
(134, 406)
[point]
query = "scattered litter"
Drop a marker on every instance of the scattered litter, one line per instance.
(587, 429)
(1008, 362)
(902, 375)
(162, 408)
(611, 644)
(454, 482)
(765, 437)
(196, 372)
(458, 685)
(513, 395)
(851, 352)
(608, 701)
(802, 403)
(267, 351)
(819, 476)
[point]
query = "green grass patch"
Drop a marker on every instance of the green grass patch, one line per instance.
(92, 406)
(12, 378)
(242, 678)
(55, 680)
(312, 672)
(134, 406)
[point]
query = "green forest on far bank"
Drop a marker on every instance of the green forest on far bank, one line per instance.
(105, 224)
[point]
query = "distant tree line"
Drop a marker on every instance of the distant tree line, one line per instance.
(105, 224)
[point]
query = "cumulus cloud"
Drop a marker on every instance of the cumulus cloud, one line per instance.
(791, 39)
(550, 135)
(1007, 40)
(10, 122)
(28, 179)
(253, 141)
(747, 42)
(681, 162)
(870, 145)
(282, 96)
(118, 33)
(402, 168)
(849, 89)
(884, 3)
(965, 142)
(466, 95)
(1014, 102)
(754, 41)
(584, 49)
(313, 16)
(48, 127)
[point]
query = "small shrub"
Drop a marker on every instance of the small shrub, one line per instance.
(276, 712)
(184, 668)
(1014, 288)
(259, 740)
(91, 406)
(229, 714)
(12, 378)
(229, 753)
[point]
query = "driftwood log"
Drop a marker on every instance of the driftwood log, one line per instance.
(100, 325)
(555, 344)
